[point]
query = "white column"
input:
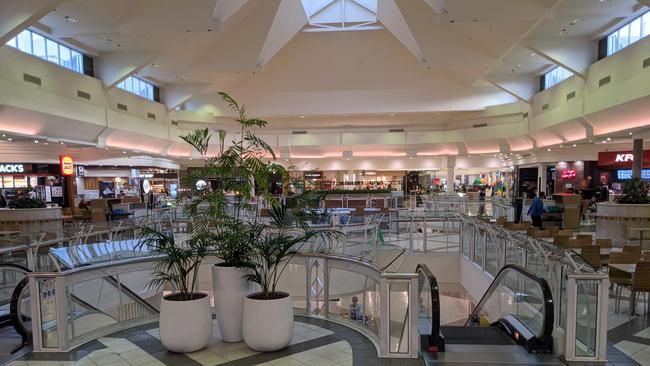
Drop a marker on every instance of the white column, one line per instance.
(451, 164)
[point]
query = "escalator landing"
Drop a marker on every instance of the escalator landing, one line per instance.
(484, 346)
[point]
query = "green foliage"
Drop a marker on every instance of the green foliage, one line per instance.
(274, 243)
(351, 191)
(23, 200)
(216, 214)
(635, 192)
(177, 263)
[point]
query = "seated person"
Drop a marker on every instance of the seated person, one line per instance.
(84, 205)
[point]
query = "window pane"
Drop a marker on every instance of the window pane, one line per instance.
(12, 42)
(623, 37)
(76, 61)
(52, 51)
(635, 30)
(64, 57)
(38, 42)
(150, 92)
(645, 25)
(25, 41)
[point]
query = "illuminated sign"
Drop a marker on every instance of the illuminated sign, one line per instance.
(67, 165)
(569, 174)
(146, 186)
(12, 168)
(81, 171)
(624, 157)
(626, 174)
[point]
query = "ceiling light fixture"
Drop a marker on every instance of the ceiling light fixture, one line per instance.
(10, 139)
(36, 141)
(68, 19)
(629, 133)
(609, 139)
(549, 150)
(574, 145)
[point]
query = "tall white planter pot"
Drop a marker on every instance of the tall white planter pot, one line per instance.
(229, 289)
(185, 326)
(268, 324)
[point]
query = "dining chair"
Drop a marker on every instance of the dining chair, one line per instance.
(620, 279)
(591, 254)
(635, 249)
(562, 241)
(604, 243)
(585, 238)
(641, 283)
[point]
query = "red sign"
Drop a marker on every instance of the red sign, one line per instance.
(621, 159)
(569, 174)
(67, 165)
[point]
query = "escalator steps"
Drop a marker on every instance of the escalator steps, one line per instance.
(476, 335)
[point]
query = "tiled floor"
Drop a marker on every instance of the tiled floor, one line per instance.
(315, 343)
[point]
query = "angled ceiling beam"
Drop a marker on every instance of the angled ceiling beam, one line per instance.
(575, 54)
(437, 5)
(391, 17)
(224, 11)
(521, 86)
(176, 94)
(645, 2)
(113, 67)
(18, 15)
(290, 18)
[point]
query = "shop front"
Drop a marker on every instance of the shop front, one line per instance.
(615, 168)
(42, 181)
(132, 183)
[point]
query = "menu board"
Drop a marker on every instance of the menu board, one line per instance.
(57, 191)
(20, 182)
(8, 181)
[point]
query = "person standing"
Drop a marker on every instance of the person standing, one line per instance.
(537, 209)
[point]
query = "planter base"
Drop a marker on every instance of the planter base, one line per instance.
(268, 324)
(185, 326)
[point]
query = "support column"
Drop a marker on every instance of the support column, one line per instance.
(451, 175)
(638, 158)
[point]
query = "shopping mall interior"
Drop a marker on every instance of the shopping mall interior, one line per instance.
(324, 182)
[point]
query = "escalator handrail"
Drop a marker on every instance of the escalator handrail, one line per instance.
(546, 292)
(435, 300)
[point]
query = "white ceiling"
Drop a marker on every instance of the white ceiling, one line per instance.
(422, 56)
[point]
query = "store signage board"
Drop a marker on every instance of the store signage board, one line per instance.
(81, 171)
(67, 165)
(621, 159)
(569, 174)
(12, 168)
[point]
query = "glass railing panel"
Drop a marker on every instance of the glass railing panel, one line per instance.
(517, 296)
(492, 256)
(399, 321)
(354, 297)
(479, 247)
(293, 282)
(587, 315)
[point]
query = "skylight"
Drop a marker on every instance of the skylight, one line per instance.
(328, 15)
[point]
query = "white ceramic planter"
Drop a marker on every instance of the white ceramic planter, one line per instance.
(185, 326)
(268, 324)
(229, 289)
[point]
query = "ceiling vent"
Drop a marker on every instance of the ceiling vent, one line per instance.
(83, 94)
(32, 79)
(545, 106)
(174, 123)
(396, 130)
(298, 132)
(479, 125)
(604, 81)
(571, 95)
(646, 62)
(524, 115)
(122, 107)
(411, 154)
(347, 154)
(151, 115)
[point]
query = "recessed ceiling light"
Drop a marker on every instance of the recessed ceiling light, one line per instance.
(123, 152)
(609, 139)
(155, 65)
(548, 150)
(45, 143)
(604, 141)
(61, 142)
(3, 135)
(10, 139)
(302, 116)
(69, 19)
(574, 145)
(106, 148)
(392, 114)
(533, 54)
(36, 141)
(629, 133)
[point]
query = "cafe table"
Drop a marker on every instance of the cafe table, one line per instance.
(629, 268)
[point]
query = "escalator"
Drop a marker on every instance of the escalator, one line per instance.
(512, 323)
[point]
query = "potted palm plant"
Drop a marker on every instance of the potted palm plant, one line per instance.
(185, 315)
(268, 314)
(218, 215)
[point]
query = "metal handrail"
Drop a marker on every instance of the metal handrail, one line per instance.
(434, 291)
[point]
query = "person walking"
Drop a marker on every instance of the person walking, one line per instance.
(536, 210)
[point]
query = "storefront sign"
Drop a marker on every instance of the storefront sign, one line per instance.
(12, 168)
(81, 171)
(569, 174)
(146, 175)
(67, 165)
(314, 175)
(621, 159)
